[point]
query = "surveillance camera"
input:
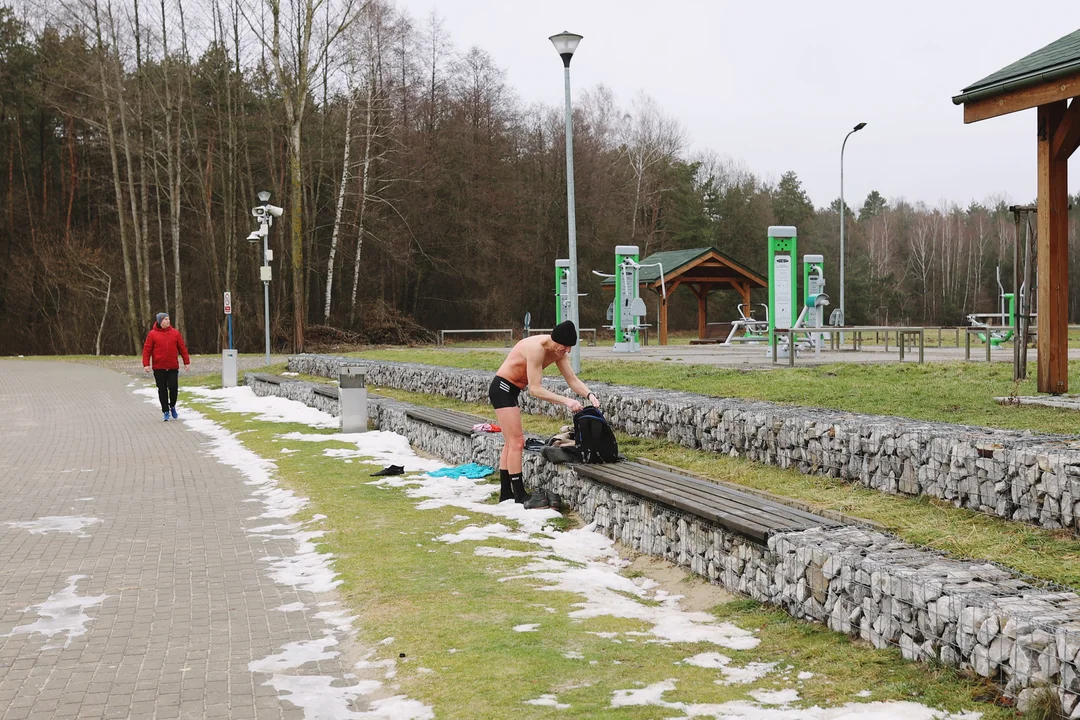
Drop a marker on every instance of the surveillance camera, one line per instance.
(274, 210)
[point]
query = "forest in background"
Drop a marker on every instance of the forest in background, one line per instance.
(419, 192)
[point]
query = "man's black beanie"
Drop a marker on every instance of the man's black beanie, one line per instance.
(565, 334)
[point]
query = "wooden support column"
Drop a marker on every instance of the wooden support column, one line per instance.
(702, 297)
(1053, 210)
(663, 320)
(744, 291)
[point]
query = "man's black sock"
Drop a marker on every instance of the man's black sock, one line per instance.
(518, 487)
(505, 492)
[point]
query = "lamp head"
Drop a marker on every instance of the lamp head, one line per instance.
(565, 44)
(264, 195)
(859, 127)
(254, 236)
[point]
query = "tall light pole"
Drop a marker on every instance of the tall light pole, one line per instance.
(265, 214)
(855, 129)
(566, 43)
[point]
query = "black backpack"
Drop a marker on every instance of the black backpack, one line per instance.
(595, 439)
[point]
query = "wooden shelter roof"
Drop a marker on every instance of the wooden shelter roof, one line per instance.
(697, 265)
(1049, 74)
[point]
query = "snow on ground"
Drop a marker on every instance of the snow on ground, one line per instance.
(73, 524)
(577, 561)
(305, 569)
(775, 705)
(63, 613)
(267, 409)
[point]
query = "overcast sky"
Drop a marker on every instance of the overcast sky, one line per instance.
(777, 84)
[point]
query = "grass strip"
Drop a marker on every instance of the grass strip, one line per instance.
(451, 616)
(956, 392)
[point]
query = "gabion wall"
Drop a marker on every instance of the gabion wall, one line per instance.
(860, 582)
(1009, 474)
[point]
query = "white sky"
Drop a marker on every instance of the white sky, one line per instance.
(761, 81)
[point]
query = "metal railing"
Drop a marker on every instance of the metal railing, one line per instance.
(475, 331)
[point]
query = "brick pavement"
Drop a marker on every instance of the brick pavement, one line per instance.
(188, 599)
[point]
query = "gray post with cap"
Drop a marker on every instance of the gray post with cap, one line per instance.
(228, 368)
(352, 395)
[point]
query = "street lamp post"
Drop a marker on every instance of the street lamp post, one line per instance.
(856, 129)
(566, 43)
(265, 214)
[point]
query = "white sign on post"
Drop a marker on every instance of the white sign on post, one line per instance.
(782, 291)
(228, 303)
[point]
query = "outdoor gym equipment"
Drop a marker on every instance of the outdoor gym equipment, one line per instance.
(562, 294)
(783, 292)
(813, 313)
(627, 311)
(1007, 305)
(754, 330)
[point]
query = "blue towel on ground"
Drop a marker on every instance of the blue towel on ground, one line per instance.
(473, 471)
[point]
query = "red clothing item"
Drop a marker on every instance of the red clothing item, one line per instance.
(164, 346)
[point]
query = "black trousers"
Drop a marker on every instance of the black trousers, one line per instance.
(167, 384)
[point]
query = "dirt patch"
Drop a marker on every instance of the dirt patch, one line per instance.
(698, 594)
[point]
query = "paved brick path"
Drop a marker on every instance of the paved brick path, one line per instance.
(188, 601)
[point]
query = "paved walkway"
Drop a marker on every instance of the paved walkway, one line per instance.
(153, 604)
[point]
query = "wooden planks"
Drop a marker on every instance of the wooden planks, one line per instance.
(747, 514)
(458, 422)
(1034, 96)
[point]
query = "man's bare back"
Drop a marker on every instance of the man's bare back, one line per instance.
(516, 366)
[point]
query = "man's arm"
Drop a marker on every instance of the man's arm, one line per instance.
(148, 347)
(534, 357)
(574, 381)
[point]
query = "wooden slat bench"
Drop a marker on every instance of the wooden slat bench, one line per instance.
(268, 378)
(452, 420)
(750, 515)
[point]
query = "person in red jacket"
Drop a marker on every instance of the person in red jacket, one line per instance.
(163, 345)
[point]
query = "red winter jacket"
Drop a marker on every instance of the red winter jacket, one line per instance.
(164, 346)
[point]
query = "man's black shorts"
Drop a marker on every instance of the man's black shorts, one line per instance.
(503, 393)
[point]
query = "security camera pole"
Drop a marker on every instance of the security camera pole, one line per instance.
(265, 213)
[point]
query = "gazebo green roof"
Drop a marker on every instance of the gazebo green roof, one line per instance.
(674, 261)
(1059, 58)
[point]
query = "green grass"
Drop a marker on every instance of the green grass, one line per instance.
(432, 597)
(1047, 554)
(945, 392)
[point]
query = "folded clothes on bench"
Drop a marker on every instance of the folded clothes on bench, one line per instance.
(473, 471)
(486, 427)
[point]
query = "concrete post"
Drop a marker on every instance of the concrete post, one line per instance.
(352, 393)
(228, 368)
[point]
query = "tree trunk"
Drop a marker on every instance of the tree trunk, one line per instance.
(368, 132)
(340, 205)
(117, 189)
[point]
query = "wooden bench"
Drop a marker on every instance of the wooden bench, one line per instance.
(267, 378)
(755, 517)
(452, 420)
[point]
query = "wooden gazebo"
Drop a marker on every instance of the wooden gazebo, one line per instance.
(703, 270)
(1047, 79)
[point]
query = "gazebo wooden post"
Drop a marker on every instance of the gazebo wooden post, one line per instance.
(1053, 239)
(744, 291)
(702, 308)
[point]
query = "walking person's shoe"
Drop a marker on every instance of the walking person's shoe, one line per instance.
(172, 411)
(165, 416)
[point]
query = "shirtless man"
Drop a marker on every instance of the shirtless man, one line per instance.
(524, 367)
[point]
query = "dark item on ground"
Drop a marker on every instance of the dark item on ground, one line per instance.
(382, 325)
(595, 438)
(541, 499)
(561, 455)
(390, 470)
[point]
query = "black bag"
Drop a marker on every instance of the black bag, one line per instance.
(595, 439)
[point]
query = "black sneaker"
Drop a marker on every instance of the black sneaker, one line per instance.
(390, 470)
(538, 500)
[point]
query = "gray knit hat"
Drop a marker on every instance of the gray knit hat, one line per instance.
(160, 317)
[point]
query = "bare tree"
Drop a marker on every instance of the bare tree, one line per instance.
(299, 47)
